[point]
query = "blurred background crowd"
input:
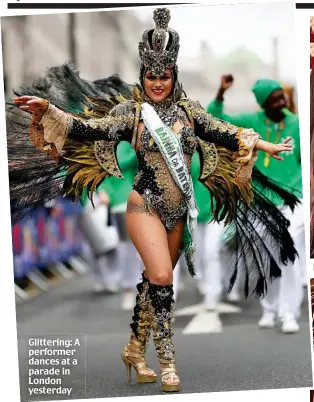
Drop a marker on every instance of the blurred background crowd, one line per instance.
(104, 43)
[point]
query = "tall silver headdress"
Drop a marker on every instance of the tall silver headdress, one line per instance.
(159, 47)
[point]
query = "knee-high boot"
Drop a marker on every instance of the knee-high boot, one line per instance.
(133, 354)
(161, 306)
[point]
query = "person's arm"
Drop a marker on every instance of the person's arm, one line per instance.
(55, 126)
(243, 142)
(216, 106)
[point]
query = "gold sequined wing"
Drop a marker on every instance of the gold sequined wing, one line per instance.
(89, 163)
(43, 167)
(223, 171)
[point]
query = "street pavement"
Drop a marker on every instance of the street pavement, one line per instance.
(228, 353)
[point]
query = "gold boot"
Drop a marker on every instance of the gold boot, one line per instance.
(161, 304)
(170, 381)
(133, 355)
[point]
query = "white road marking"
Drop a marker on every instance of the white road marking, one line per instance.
(205, 322)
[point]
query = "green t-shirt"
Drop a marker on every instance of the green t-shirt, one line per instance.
(118, 190)
(287, 172)
(202, 194)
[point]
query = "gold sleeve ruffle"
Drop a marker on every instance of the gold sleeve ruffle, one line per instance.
(56, 125)
(49, 129)
(246, 156)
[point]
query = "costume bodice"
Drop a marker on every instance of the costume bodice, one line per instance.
(169, 113)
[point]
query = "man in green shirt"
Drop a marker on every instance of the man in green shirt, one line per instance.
(275, 123)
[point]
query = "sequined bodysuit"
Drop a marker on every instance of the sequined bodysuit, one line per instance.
(154, 181)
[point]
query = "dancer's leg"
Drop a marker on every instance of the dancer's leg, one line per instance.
(130, 268)
(134, 353)
(176, 280)
(150, 239)
(174, 239)
(174, 243)
(159, 251)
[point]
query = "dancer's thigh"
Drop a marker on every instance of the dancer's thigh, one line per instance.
(175, 242)
(150, 239)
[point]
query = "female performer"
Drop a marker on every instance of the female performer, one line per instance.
(165, 128)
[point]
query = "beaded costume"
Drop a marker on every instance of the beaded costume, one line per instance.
(72, 150)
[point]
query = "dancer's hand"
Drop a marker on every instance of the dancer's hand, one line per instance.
(274, 149)
(31, 103)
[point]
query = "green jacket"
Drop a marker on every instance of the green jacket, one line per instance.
(288, 172)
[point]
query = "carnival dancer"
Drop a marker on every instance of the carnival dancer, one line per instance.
(275, 123)
(165, 128)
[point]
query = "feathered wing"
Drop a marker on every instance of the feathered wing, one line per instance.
(36, 173)
(30, 183)
(260, 238)
(241, 198)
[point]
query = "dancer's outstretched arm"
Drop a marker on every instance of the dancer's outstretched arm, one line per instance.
(58, 125)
